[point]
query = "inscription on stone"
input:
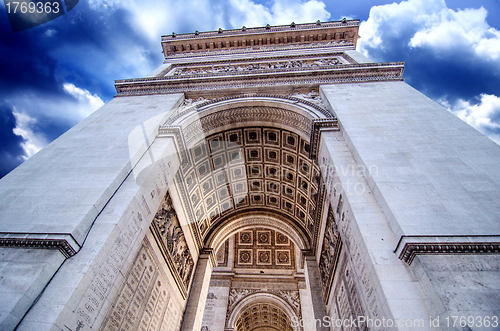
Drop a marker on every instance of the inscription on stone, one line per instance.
(143, 299)
(93, 299)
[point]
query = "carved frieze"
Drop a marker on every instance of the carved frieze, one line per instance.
(261, 80)
(171, 240)
(262, 66)
(330, 251)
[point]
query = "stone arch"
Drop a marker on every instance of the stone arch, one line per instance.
(200, 119)
(217, 190)
(232, 226)
(261, 297)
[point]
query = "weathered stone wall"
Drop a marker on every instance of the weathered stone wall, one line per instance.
(410, 181)
(96, 202)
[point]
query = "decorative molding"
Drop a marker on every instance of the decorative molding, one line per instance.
(309, 99)
(272, 38)
(222, 255)
(60, 244)
(333, 74)
(341, 46)
(246, 114)
(237, 295)
(318, 124)
(250, 31)
(176, 131)
(231, 69)
(409, 247)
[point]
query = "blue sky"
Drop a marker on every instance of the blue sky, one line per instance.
(56, 74)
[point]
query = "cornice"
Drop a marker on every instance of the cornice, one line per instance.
(276, 78)
(330, 123)
(237, 39)
(249, 31)
(265, 53)
(411, 246)
(341, 45)
(63, 242)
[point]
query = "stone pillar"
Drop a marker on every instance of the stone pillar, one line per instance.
(313, 282)
(214, 317)
(193, 316)
(306, 308)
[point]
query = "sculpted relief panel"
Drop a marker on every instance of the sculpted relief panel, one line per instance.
(170, 238)
(346, 302)
(259, 66)
(337, 274)
(329, 255)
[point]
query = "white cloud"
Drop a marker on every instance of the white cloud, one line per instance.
(158, 17)
(284, 12)
(32, 142)
(431, 24)
(87, 102)
(480, 115)
(31, 111)
(440, 32)
(393, 20)
(49, 32)
(162, 17)
(455, 30)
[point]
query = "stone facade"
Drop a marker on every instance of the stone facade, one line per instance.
(260, 178)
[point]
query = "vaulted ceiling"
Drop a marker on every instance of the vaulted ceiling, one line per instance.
(253, 171)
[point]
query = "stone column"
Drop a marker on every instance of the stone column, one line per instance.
(193, 316)
(306, 308)
(216, 305)
(314, 322)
